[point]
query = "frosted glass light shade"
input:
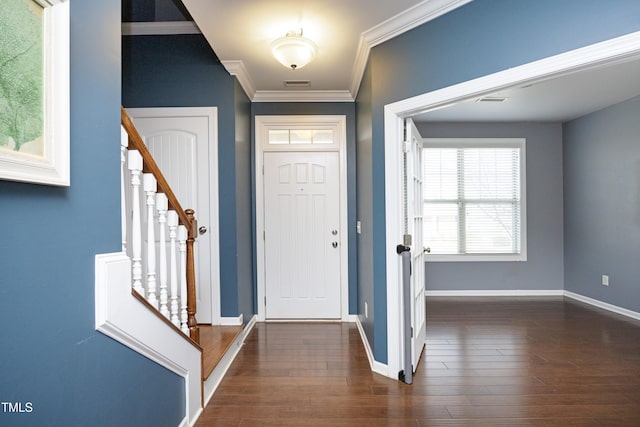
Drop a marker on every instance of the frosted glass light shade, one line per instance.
(294, 51)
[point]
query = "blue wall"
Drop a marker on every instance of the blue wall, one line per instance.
(327, 108)
(602, 204)
(244, 203)
(183, 71)
(51, 354)
(365, 212)
(480, 38)
(544, 268)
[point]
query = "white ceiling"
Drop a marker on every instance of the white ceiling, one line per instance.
(241, 32)
(559, 99)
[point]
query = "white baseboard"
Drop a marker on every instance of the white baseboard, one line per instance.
(212, 383)
(603, 305)
(231, 321)
(497, 293)
(377, 367)
(124, 318)
(353, 318)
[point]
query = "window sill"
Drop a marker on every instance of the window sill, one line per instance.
(477, 258)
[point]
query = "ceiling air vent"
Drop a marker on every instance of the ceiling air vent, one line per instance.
(297, 83)
(491, 99)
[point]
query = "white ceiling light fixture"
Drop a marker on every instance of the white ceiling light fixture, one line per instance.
(294, 51)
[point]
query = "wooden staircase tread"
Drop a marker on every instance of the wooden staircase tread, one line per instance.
(215, 341)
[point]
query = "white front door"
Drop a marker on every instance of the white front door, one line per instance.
(415, 218)
(182, 141)
(302, 235)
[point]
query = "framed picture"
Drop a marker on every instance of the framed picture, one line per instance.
(34, 91)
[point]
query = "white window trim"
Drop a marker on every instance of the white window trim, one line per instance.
(489, 143)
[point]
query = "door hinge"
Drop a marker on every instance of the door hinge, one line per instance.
(265, 301)
(412, 332)
(264, 235)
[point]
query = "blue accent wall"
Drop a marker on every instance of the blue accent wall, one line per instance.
(480, 38)
(325, 108)
(602, 204)
(544, 268)
(244, 203)
(364, 212)
(183, 71)
(51, 354)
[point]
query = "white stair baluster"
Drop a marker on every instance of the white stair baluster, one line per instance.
(172, 222)
(161, 206)
(182, 239)
(124, 144)
(150, 188)
(135, 167)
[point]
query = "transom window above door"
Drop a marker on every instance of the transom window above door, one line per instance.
(300, 136)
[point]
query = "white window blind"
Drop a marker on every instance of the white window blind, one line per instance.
(473, 198)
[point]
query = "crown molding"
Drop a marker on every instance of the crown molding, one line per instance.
(159, 28)
(303, 96)
(237, 69)
(409, 19)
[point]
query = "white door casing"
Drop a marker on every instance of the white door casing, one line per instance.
(337, 125)
(301, 216)
(183, 142)
(415, 207)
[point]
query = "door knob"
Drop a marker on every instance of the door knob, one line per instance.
(334, 244)
(202, 230)
(427, 250)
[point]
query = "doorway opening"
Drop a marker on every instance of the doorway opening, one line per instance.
(621, 49)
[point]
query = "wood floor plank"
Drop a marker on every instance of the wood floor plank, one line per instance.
(489, 362)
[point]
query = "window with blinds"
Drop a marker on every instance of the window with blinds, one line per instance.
(474, 199)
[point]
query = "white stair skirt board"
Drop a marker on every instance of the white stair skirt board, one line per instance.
(212, 383)
(231, 321)
(377, 367)
(124, 318)
(603, 305)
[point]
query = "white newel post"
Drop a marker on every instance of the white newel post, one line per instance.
(150, 188)
(182, 239)
(162, 206)
(172, 221)
(124, 144)
(135, 167)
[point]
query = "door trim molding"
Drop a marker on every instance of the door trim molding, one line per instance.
(622, 48)
(262, 123)
(211, 114)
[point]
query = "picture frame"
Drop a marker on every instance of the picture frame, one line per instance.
(47, 161)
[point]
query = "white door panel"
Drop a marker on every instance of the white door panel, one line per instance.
(180, 146)
(415, 219)
(302, 242)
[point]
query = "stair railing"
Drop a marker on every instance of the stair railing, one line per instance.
(168, 286)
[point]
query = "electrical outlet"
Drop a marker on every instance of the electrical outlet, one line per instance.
(366, 310)
(605, 280)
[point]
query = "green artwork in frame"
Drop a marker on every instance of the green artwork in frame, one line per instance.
(22, 76)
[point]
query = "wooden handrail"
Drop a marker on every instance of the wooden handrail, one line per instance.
(186, 217)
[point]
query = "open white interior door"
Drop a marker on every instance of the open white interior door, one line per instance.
(414, 223)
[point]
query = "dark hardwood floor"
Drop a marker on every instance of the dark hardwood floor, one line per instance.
(215, 341)
(488, 362)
